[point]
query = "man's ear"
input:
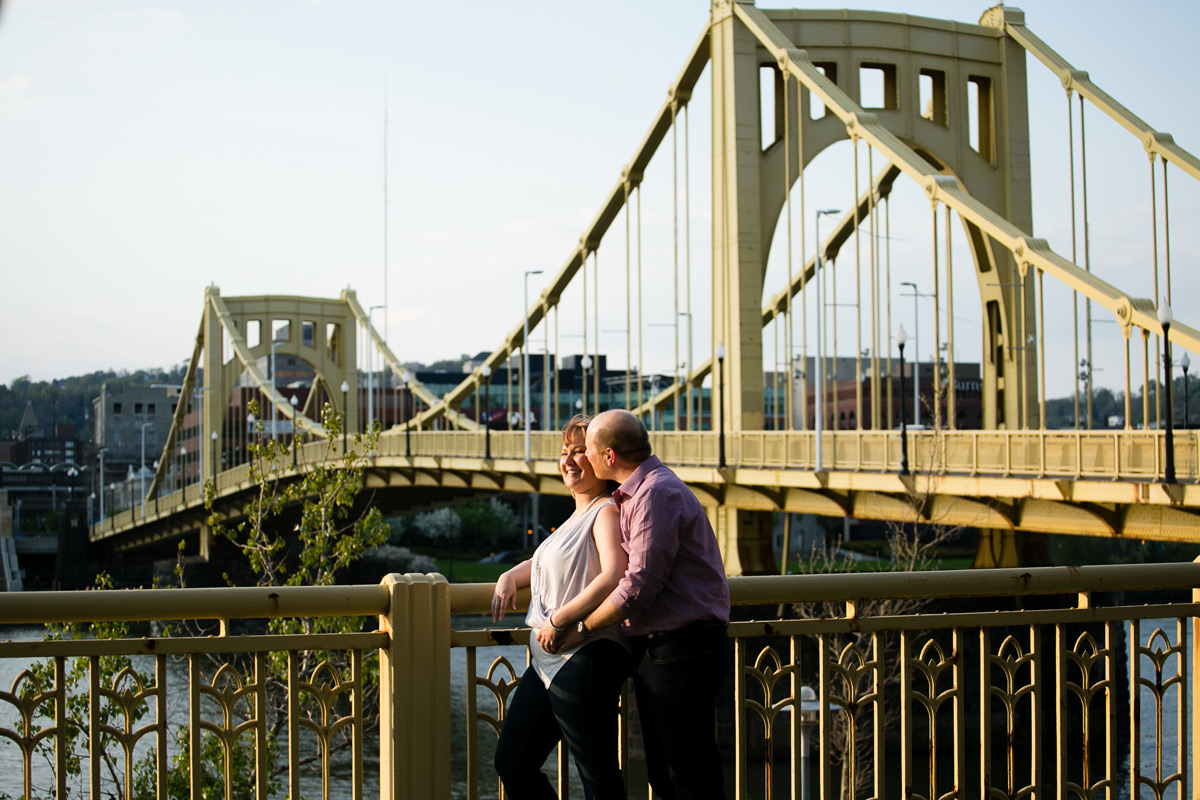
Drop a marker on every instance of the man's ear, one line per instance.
(610, 456)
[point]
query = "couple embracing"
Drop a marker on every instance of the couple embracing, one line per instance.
(631, 584)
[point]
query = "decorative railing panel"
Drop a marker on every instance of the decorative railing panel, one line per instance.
(871, 685)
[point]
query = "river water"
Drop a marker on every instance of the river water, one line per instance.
(11, 768)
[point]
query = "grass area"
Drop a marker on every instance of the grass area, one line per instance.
(471, 571)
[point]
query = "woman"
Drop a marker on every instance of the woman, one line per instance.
(569, 695)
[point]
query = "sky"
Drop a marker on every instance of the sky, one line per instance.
(148, 150)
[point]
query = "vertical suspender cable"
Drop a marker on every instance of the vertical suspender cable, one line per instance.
(1074, 257)
(800, 90)
(1154, 245)
(874, 268)
(687, 259)
(545, 323)
(858, 373)
(1041, 338)
(952, 400)
(787, 189)
(596, 330)
(628, 301)
(640, 362)
(583, 374)
(1087, 261)
(832, 383)
(936, 360)
(557, 374)
(1167, 229)
(675, 251)
(1128, 383)
(887, 244)
(1145, 379)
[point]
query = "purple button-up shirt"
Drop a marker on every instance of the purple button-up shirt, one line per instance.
(675, 575)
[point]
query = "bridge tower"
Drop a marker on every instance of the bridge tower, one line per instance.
(750, 188)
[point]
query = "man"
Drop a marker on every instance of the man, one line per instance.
(673, 603)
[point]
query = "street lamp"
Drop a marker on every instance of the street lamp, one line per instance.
(345, 413)
(100, 485)
(719, 352)
(687, 371)
(182, 468)
(901, 338)
(407, 417)
(1164, 319)
(586, 363)
(486, 371)
(142, 471)
(294, 402)
(1185, 363)
(916, 355)
(274, 341)
(215, 466)
(525, 361)
(820, 407)
(249, 433)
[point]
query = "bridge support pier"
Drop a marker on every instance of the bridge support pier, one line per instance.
(206, 541)
(745, 540)
(996, 547)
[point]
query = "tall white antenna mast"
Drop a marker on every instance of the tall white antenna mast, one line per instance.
(385, 208)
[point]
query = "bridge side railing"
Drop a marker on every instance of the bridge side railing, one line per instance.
(1049, 679)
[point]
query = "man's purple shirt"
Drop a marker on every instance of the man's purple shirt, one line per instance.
(675, 575)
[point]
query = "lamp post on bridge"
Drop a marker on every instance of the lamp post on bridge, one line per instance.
(249, 433)
(1185, 363)
(294, 402)
(719, 352)
(820, 405)
(345, 413)
(916, 355)
(182, 472)
(901, 338)
(1164, 319)
(405, 397)
(586, 363)
(486, 371)
(215, 466)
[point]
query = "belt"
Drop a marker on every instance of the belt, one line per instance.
(698, 626)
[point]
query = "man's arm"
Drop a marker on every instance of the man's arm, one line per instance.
(604, 615)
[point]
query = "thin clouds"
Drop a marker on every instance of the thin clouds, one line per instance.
(17, 97)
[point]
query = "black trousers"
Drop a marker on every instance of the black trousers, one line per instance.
(580, 707)
(677, 680)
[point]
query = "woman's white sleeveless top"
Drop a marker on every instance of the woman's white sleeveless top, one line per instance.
(561, 568)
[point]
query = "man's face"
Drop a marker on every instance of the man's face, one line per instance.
(596, 456)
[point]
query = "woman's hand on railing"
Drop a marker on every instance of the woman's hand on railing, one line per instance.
(505, 596)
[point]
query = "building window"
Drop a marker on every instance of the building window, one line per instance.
(137, 408)
(150, 408)
(116, 408)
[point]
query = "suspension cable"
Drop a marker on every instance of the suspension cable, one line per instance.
(1154, 245)
(596, 329)
(887, 244)
(874, 271)
(1041, 340)
(687, 249)
(641, 331)
(952, 401)
(787, 189)
(1074, 256)
(1087, 261)
(628, 301)
(937, 328)
(675, 253)
(858, 373)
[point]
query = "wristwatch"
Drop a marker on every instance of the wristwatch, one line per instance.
(583, 630)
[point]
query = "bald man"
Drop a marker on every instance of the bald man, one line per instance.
(673, 604)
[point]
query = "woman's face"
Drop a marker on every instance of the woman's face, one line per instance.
(577, 472)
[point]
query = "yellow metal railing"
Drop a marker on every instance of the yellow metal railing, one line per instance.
(1040, 680)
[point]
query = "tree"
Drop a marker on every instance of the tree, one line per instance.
(441, 526)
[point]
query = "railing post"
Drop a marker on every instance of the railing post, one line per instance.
(1193, 779)
(414, 690)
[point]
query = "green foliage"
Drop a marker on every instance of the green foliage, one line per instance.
(212, 770)
(488, 522)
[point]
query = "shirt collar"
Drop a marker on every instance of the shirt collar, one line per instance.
(634, 481)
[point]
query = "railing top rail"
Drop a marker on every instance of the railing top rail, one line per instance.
(21, 608)
(475, 598)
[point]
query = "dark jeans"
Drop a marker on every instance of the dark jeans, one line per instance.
(580, 707)
(677, 681)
